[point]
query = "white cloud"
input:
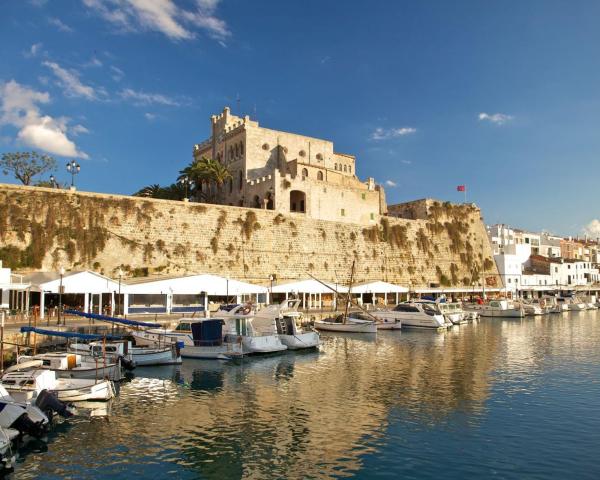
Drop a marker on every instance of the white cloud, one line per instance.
(592, 229)
(19, 107)
(387, 133)
(78, 129)
(94, 62)
(117, 74)
(59, 24)
(162, 16)
(406, 162)
(496, 118)
(70, 83)
(33, 50)
(391, 183)
(150, 116)
(143, 98)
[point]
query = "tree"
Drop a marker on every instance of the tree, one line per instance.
(175, 191)
(26, 165)
(206, 171)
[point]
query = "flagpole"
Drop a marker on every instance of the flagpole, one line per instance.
(465, 194)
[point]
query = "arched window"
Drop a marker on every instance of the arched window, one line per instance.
(335, 166)
(297, 201)
(304, 173)
(256, 201)
(241, 148)
(320, 175)
(230, 184)
(345, 169)
(349, 169)
(237, 150)
(270, 203)
(241, 180)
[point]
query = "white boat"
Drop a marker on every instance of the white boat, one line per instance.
(28, 419)
(138, 355)
(26, 385)
(452, 311)
(198, 337)
(288, 322)
(531, 308)
(589, 300)
(71, 365)
(414, 314)
(347, 324)
(255, 333)
(501, 308)
(551, 304)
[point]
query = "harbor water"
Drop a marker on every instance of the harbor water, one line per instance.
(510, 399)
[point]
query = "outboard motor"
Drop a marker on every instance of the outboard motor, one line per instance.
(49, 404)
(27, 420)
(126, 363)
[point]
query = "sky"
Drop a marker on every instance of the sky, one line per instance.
(500, 96)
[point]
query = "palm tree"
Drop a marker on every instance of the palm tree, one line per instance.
(175, 191)
(206, 171)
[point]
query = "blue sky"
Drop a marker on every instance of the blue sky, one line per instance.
(501, 96)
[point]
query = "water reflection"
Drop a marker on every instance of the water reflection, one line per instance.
(317, 414)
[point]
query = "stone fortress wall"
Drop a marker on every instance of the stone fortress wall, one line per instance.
(44, 229)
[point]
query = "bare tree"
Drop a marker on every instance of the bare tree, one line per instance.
(26, 165)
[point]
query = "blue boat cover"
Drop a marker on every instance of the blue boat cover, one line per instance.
(82, 336)
(105, 318)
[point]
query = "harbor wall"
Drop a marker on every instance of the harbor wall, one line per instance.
(44, 229)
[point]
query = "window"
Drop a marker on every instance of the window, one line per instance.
(241, 148)
(349, 169)
(319, 156)
(363, 196)
(320, 175)
(372, 216)
(343, 212)
(304, 173)
(335, 166)
(297, 201)
(241, 181)
(345, 168)
(302, 153)
(230, 184)
(265, 146)
(237, 151)
(230, 153)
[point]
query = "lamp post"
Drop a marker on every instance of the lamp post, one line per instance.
(186, 182)
(73, 168)
(227, 290)
(60, 290)
(271, 278)
(53, 181)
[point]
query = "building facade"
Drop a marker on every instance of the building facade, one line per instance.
(289, 173)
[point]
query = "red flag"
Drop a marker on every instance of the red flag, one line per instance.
(461, 188)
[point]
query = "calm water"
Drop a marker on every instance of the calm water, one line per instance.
(506, 398)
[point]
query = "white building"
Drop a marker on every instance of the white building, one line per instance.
(13, 291)
(511, 263)
(550, 246)
(500, 236)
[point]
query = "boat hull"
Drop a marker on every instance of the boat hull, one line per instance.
(110, 372)
(74, 390)
(263, 344)
(300, 340)
(346, 327)
(155, 356)
(510, 313)
(389, 325)
(217, 352)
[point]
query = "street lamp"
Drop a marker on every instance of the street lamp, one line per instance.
(53, 181)
(60, 291)
(73, 168)
(186, 182)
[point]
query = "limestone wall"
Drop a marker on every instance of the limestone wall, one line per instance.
(43, 229)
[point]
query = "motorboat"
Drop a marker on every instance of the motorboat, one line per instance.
(573, 303)
(589, 300)
(256, 333)
(502, 308)
(25, 385)
(197, 337)
(71, 365)
(288, 322)
(452, 311)
(551, 305)
(414, 314)
(165, 354)
(352, 323)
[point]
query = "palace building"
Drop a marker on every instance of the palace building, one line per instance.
(289, 173)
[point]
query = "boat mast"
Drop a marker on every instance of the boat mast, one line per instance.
(349, 291)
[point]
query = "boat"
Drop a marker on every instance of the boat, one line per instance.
(589, 300)
(531, 308)
(573, 303)
(347, 323)
(8, 458)
(551, 304)
(452, 311)
(256, 334)
(502, 308)
(25, 385)
(136, 355)
(415, 314)
(71, 365)
(198, 338)
(288, 325)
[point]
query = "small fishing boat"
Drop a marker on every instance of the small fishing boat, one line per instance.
(199, 338)
(25, 385)
(137, 355)
(530, 308)
(503, 309)
(347, 323)
(288, 324)
(71, 365)
(573, 303)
